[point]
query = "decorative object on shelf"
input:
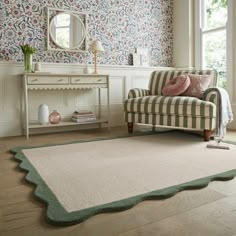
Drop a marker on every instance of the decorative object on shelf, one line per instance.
(144, 56)
(28, 52)
(28, 63)
(141, 57)
(43, 114)
(130, 56)
(83, 116)
(136, 59)
(37, 67)
(96, 47)
(87, 70)
(55, 117)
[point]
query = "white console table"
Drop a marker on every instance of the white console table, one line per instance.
(52, 81)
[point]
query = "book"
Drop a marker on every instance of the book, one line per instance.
(83, 116)
(82, 112)
(83, 120)
(77, 113)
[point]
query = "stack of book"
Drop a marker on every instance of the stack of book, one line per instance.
(83, 116)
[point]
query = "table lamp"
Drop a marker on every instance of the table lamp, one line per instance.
(96, 47)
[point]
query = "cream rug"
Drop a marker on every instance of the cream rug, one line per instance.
(82, 179)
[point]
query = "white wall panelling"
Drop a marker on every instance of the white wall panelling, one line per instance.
(10, 92)
(117, 96)
(122, 78)
(2, 93)
(139, 81)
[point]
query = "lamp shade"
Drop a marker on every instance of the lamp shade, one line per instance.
(96, 46)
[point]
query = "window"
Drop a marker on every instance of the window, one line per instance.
(213, 21)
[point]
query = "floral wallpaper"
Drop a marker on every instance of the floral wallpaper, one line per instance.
(121, 25)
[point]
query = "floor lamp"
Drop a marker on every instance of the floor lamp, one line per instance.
(96, 47)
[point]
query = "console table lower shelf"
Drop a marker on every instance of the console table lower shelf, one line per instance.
(66, 123)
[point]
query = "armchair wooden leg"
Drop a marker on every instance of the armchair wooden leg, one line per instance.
(207, 135)
(130, 127)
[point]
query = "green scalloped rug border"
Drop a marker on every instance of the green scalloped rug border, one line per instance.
(57, 215)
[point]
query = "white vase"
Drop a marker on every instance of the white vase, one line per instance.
(37, 67)
(87, 70)
(43, 114)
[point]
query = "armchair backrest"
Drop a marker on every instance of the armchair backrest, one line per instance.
(159, 78)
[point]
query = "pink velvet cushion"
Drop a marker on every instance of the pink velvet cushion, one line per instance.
(198, 84)
(176, 86)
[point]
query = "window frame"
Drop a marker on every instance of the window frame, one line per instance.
(198, 6)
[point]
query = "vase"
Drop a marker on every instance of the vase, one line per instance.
(54, 117)
(28, 62)
(87, 70)
(43, 114)
(37, 67)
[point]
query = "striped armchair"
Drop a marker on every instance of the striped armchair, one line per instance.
(149, 106)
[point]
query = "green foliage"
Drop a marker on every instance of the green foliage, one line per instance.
(215, 4)
(27, 49)
(219, 3)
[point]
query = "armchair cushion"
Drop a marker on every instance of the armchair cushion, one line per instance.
(176, 86)
(167, 105)
(198, 85)
(158, 79)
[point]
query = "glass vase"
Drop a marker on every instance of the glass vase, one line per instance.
(28, 62)
(54, 117)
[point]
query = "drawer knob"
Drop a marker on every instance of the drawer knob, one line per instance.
(59, 80)
(34, 80)
(77, 80)
(99, 80)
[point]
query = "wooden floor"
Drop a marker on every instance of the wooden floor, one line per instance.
(209, 211)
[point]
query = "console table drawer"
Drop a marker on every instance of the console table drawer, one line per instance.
(46, 80)
(87, 80)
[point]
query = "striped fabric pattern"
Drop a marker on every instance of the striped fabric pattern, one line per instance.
(172, 120)
(138, 92)
(166, 105)
(148, 106)
(158, 79)
(213, 95)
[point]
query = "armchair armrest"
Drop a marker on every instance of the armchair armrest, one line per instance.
(220, 98)
(138, 92)
(212, 95)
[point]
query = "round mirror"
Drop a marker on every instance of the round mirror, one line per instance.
(67, 30)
